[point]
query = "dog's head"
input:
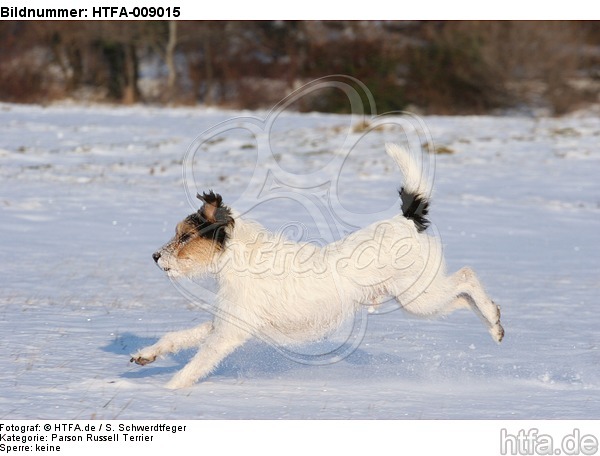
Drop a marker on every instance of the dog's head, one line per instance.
(199, 239)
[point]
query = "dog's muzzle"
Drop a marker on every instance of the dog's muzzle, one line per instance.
(156, 256)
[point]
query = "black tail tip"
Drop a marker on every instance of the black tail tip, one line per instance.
(415, 207)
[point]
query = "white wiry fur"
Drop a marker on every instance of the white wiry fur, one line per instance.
(411, 170)
(296, 292)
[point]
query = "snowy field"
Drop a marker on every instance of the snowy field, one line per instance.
(88, 193)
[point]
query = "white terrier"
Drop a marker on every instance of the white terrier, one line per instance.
(289, 292)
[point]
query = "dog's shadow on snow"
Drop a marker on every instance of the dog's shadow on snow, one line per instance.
(126, 344)
(253, 360)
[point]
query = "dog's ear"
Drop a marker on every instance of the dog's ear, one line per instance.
(213, 210)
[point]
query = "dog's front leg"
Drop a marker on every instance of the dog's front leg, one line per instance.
(173, 342)
(217, 346)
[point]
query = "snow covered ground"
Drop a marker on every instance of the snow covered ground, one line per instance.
(88, 193)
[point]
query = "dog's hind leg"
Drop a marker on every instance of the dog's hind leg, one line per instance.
(468, 291)
(217, 346)
(173, 342)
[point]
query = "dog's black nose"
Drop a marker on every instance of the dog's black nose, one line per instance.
(156, 256)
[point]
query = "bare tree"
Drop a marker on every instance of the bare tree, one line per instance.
(170, 59)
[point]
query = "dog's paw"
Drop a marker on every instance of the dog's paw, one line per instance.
(142, 360)
(497, 332)
(178, 382)
(496, 329)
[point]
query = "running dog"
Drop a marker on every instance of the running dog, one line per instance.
(289, 292)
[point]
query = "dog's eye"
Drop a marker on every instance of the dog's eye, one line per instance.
(184, 238)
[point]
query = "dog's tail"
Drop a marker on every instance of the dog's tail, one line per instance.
(416, 189)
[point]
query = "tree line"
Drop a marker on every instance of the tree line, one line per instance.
(444, 67)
